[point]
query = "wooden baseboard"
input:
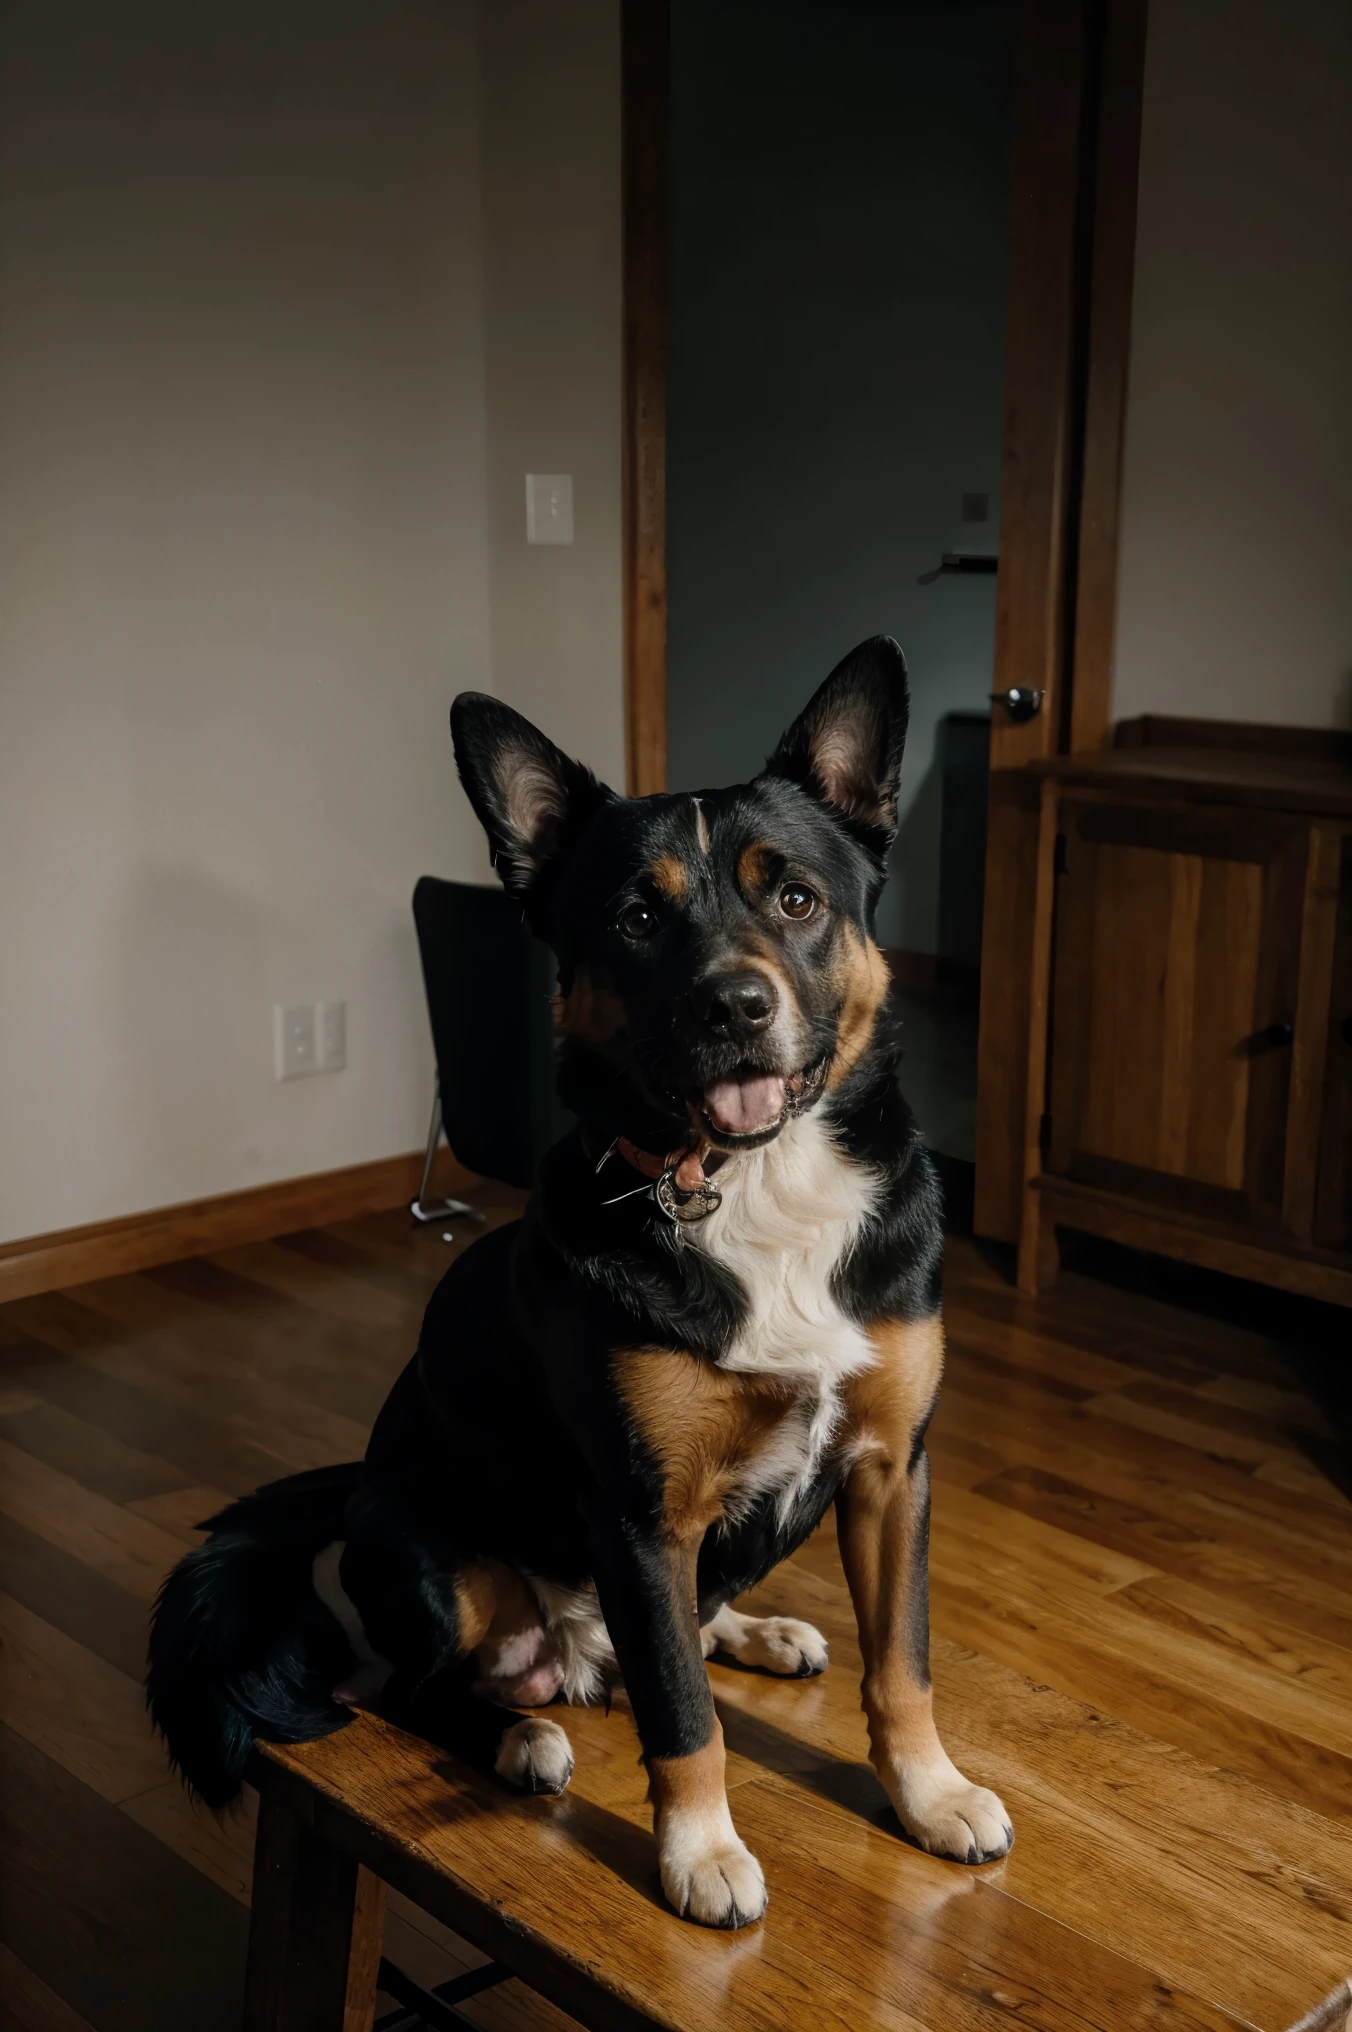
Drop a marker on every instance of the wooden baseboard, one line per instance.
(165, 1234)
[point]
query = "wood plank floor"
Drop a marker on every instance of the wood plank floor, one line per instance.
(1142, 1606)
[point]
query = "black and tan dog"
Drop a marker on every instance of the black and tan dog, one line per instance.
(719, 1315)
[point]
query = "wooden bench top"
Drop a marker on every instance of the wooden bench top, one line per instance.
(863, 1931)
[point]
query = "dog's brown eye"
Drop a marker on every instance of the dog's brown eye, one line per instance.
(637, 921)
(796, 901)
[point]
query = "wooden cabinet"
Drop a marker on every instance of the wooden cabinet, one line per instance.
(1333, 1186)
(1193, 1015)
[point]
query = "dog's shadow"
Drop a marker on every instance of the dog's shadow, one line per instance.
(627, 1850)
(842, 1781)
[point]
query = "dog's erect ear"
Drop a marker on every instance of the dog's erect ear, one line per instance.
(845, 747)
(529, 796)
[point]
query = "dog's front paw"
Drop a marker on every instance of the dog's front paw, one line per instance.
(778, 1644)
(949, 1817)
(535, 1756)
(718, 1883)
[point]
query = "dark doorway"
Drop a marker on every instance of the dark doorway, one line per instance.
(839, 191)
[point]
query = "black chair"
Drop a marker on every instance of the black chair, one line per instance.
(488, 984)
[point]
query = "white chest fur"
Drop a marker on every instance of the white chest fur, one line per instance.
(790, 1214)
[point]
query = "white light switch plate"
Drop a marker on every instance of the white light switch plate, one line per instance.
(549, 507)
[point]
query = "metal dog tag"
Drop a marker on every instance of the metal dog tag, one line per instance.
(680, 1206)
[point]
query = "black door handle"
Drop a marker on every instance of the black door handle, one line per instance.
(1021, 701)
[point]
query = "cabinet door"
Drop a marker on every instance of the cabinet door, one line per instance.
(1333, 1198)
(1177, 952)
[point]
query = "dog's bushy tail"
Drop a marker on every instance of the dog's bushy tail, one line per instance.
(240, 1644)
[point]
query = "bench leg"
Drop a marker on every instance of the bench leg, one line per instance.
(315, 1932)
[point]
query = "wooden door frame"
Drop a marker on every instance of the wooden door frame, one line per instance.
(645, 71)
(1075, 149)
(1079, 67)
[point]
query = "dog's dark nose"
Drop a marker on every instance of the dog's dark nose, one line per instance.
(735, 1005)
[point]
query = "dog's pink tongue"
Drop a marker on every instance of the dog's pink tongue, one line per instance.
(742, 1106)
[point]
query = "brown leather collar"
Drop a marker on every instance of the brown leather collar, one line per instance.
(686, 1166)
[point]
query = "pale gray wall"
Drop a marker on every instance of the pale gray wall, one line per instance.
(1236, 567)
(247, 451)
(839, 199)
(550, 123)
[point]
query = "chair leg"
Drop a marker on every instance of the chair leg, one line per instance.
(438, 1209)
(315, 1932)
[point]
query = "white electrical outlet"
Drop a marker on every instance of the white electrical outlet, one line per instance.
(308, 1038)
(294, 1052)
(331, 1030)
